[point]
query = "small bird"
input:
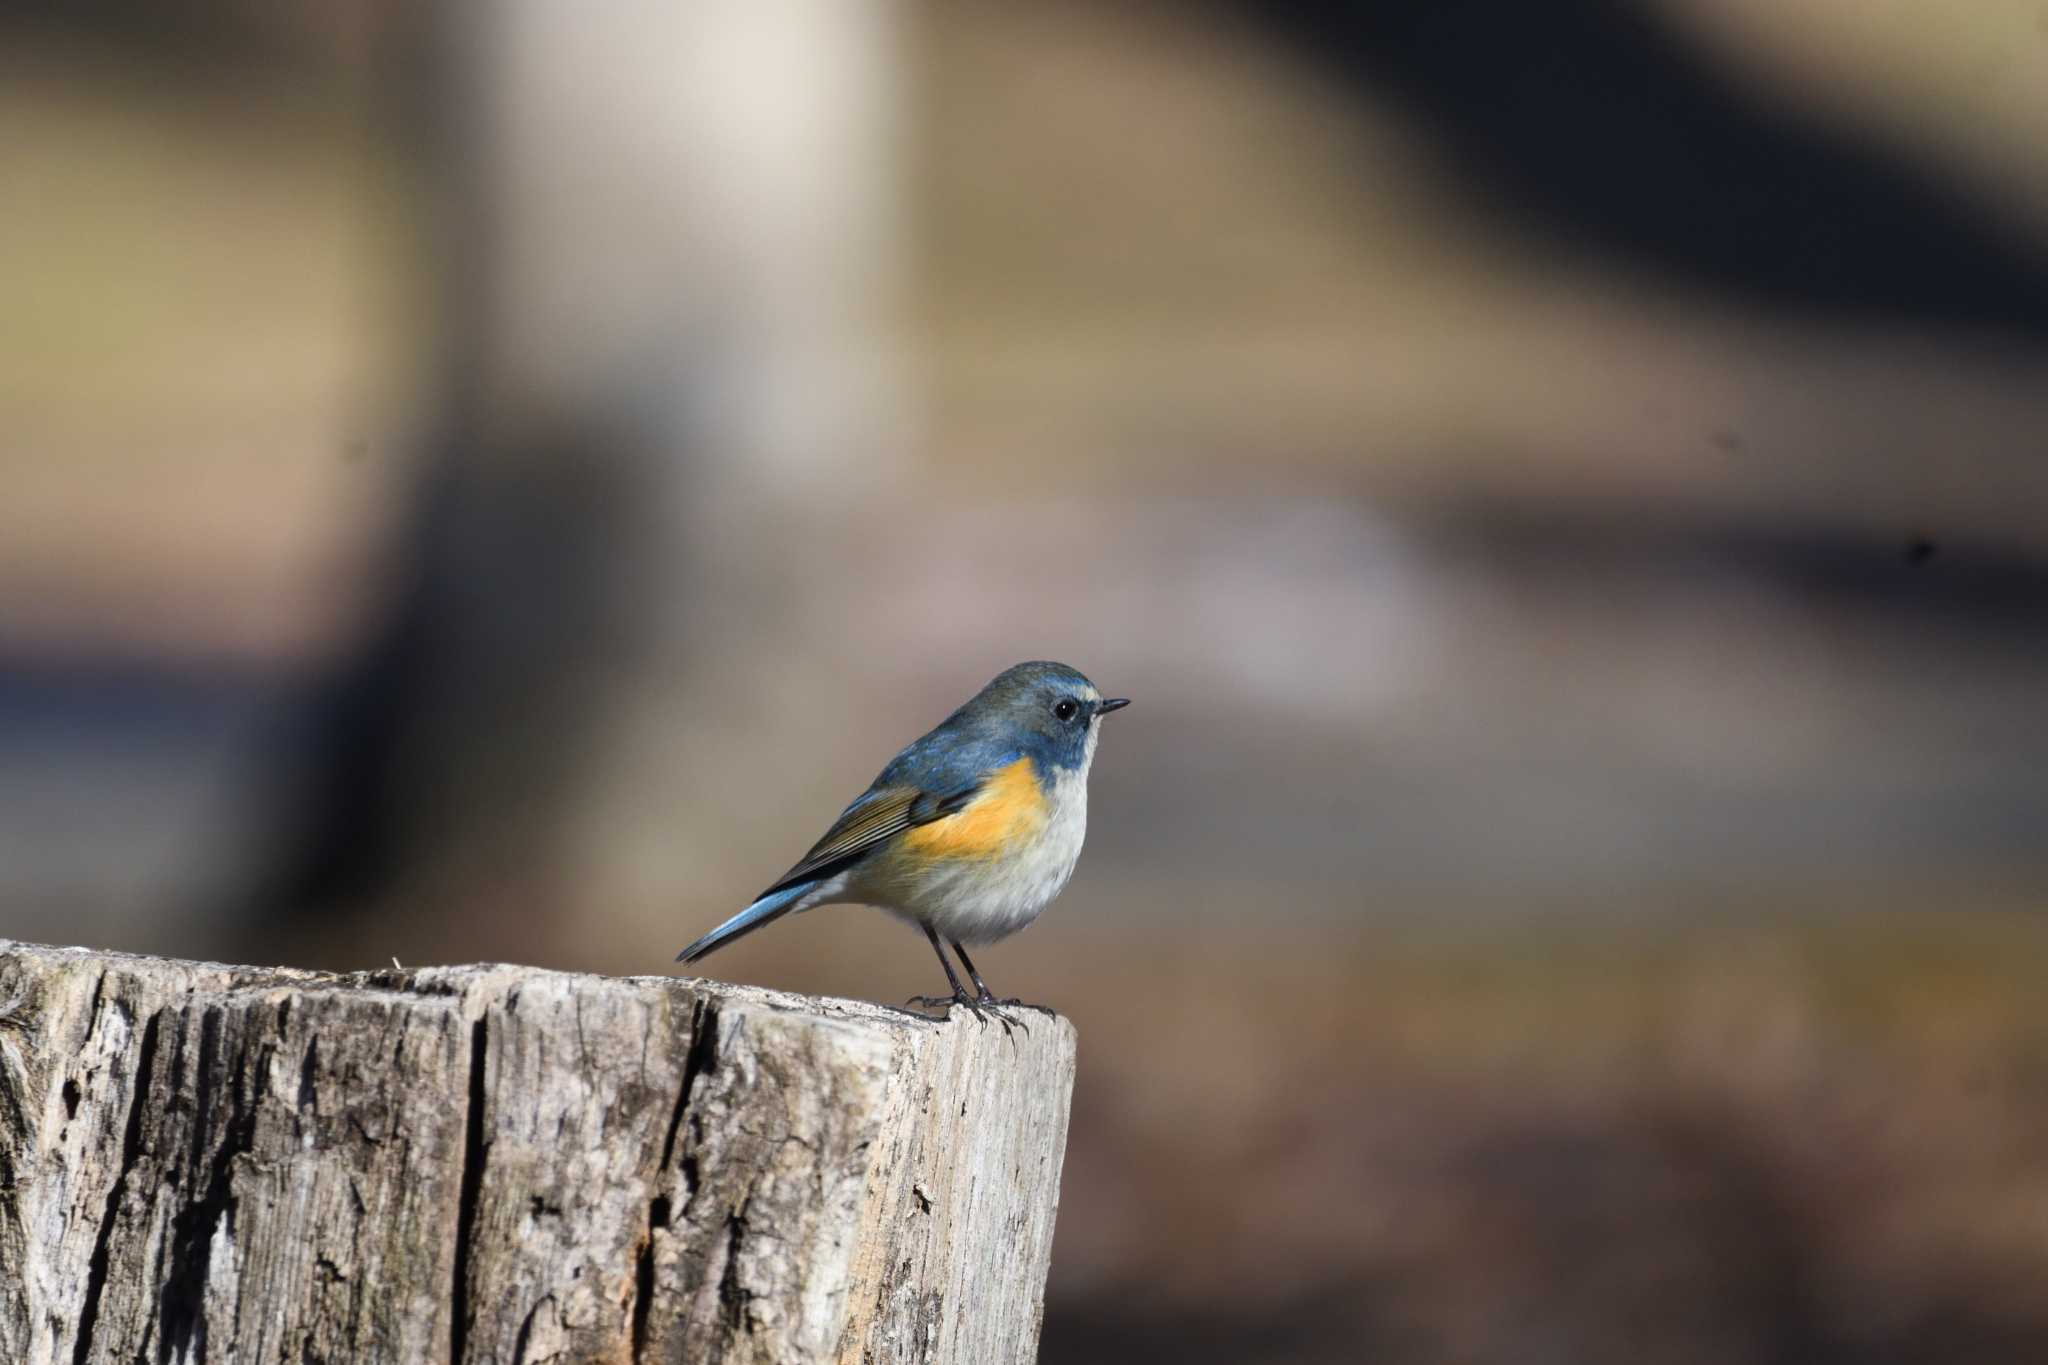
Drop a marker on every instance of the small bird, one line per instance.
(969, 833)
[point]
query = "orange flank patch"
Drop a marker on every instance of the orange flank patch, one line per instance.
(1008, 809)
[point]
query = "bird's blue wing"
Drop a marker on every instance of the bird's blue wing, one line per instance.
(878, 814)
(875, 815)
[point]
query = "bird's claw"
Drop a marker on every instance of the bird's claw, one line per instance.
(986, 1001)
(1013, 1003)
(945, 1004)
(981, 1007)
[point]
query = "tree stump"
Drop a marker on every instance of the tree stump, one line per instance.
(500, 1164)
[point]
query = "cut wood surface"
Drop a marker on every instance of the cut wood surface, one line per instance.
(502, 1164)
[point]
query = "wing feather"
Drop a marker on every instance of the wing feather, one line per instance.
(879, 814)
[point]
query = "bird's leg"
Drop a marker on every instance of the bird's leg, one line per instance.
(983, 1000)
(986, 997)
(960, 995)
(983, 995)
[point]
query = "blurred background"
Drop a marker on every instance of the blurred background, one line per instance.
(1566, 485)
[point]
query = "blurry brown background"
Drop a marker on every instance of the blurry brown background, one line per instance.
(1566, 485)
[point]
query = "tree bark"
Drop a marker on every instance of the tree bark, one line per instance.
(501, 1164)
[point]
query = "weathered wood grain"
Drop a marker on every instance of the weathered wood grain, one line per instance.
(500, 1164)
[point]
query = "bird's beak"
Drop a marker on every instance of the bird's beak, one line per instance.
(1103, 708)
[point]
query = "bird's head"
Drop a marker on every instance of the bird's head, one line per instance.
(1045, 707)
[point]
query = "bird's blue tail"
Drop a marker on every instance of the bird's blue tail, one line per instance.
(766, 910)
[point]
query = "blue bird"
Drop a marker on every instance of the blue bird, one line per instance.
(969, 833)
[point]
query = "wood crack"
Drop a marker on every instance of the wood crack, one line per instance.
(733, 1297)
(701, 1058)
(182, 1314)
(131, 1151)
(474, 1152)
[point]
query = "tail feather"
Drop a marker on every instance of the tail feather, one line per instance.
(766, 910)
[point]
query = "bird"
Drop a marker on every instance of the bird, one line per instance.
(968, 833)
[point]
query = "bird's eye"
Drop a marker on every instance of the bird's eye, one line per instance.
(1065, 708)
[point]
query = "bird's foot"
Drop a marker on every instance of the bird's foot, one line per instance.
(986, 1001)
(1013, 1003)
(944, 1004)
(982, 1007)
